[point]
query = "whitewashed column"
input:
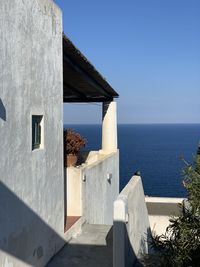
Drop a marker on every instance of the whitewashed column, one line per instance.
(109, 127)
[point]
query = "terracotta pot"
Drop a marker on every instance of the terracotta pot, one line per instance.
(71, 160)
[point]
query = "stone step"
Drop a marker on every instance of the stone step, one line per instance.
(92, 247)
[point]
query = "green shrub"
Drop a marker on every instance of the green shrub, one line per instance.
(180, 245)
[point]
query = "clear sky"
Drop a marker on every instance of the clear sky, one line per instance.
(148, 50)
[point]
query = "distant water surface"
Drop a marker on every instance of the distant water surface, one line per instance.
(153, 149)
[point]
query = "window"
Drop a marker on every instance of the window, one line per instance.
(36, 131)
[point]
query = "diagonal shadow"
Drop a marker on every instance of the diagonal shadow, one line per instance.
(87, 250)
(83, 255)
(23, 234)
(125, 255)
(2, 111)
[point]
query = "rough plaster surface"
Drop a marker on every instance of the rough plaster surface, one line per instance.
(131, 224)
(31, 182)
(99, 194)
(95, 202)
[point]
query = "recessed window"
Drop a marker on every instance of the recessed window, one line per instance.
(37, 131)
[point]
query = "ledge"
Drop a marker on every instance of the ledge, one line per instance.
(161, 210)
(163, 206)
(92, 158)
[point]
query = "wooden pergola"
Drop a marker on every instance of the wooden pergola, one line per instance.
(81, 81)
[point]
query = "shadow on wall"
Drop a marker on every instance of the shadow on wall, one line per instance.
(23, 234)
(82, 158)
(124, 254)
(90, 255)
(2, 111)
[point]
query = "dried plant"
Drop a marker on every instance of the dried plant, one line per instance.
(73, 142)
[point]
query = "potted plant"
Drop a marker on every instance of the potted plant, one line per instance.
(73, 142)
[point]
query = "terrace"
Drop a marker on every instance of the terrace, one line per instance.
(101, 223)
(82, 83)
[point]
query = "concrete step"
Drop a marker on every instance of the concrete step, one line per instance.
(92, 247)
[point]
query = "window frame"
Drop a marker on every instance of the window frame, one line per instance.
(37, 131)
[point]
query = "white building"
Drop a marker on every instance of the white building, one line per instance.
(40, 69)
(39, 199)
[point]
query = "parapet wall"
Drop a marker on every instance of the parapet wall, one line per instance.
(100, 189)
(93, 187)
(131, 225)
(160, 210)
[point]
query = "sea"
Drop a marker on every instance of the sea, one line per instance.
(158, 151)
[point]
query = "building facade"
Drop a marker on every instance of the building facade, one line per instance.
(31, 87)
(40, 69)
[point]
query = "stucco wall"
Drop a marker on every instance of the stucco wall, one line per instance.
(131, 225)
(99, 194)
(74, 191)
(93, 194)
(31, 182)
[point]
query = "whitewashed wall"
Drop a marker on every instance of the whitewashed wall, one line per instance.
(131, 225)
(31, 182)
(90, 191)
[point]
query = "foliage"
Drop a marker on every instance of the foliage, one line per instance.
(180, 245)
(73, 142)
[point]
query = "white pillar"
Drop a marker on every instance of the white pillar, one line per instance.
(109, 127)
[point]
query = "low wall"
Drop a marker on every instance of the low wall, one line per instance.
(100, 189)
(160, 210)
(74, 192)
(93, 187)
(131, 225)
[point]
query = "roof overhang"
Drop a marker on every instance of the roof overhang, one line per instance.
(81, 81)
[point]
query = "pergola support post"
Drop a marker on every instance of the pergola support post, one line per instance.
(109, 127)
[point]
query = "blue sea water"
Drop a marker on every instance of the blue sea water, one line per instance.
(153, 149)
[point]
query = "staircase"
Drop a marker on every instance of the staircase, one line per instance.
(92, 247)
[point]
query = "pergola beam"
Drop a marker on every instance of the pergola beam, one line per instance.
(89, 100)
(86, 76)
(77, 92)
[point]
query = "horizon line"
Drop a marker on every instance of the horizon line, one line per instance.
(138, 123)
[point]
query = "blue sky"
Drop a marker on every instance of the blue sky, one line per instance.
(148, 50)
